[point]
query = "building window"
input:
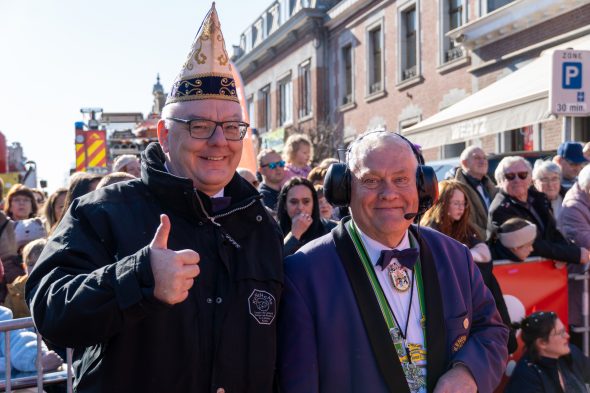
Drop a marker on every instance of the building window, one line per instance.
(453, 150)
(265, 109)
(519, 139)
(305, 89)
(409, 43)
(346, 52)
(250, 108)
(493, 5)
(454, 13)
(375, 60)
(285, 101)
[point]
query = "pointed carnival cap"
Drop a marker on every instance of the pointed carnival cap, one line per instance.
(207, 72)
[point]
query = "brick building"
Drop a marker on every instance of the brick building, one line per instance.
(445, 73)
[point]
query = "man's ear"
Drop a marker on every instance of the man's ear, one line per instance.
(163, 134)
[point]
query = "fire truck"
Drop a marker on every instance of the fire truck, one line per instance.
(100, 140)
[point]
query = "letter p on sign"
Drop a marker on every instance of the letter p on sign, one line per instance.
(571, 75)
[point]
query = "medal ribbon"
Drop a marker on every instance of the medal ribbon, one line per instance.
(404, 356)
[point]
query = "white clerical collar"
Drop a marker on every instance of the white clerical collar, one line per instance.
(218, 195)
(374, 248)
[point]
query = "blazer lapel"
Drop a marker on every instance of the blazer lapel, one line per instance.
(375, 325)
(435, 323)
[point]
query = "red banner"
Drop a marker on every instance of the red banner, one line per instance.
(530, 287)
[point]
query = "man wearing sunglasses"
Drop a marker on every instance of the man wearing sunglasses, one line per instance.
(516, 198)
(171, 282)
(272, 169)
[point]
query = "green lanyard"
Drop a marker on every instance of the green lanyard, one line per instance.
(402, 352)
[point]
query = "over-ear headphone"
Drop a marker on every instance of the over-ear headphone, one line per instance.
(337, 183)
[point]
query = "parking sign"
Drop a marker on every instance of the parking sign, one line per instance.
(570, 86)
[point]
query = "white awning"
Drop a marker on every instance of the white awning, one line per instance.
(517, 100)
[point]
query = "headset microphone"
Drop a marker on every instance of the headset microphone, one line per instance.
(410, 216)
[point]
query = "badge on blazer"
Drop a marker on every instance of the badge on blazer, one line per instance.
(458, 344)
(262, 306)
(399, 277)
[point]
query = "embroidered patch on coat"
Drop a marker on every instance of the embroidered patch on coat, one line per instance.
(459, 343)
(262, 306)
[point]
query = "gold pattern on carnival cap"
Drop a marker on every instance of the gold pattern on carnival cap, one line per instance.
(207, 72)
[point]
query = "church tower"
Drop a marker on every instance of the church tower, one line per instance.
(159, 97)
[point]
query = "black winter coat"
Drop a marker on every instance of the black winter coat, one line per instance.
(542, 377)
(92, 288)
(549, 243)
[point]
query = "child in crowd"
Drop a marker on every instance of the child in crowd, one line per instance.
(514, 240)
(298, 154)
(23, 350)
(15, 299)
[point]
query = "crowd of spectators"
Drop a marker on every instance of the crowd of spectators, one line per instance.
(525, 211)
(27, 217)
(528, 211)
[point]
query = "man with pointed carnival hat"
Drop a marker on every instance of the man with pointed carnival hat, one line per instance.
(171, 282)
(379, 305)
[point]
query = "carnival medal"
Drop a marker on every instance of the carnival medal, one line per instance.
(399, 277)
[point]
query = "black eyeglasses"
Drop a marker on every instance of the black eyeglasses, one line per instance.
(204, 128)
(511, 176)
(273, 165)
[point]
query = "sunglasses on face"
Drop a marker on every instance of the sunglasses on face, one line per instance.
(273, 165)
(511, 176)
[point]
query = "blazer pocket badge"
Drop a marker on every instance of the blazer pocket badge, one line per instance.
(458, 344)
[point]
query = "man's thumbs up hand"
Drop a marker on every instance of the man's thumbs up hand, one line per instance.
(174, 271)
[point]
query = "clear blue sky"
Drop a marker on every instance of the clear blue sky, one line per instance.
(57, 56)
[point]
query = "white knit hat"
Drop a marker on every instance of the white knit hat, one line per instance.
(517, 232)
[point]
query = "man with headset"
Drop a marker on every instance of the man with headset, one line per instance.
(380, 305)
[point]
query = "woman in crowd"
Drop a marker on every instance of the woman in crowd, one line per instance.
(516, 198)
(450, 215)
(326, 210)
(53, 208)
(574, 223)
(547, 179)
(21, 203)
(298, 154)
(81, 183)
(39, 198)
(298, 214)
(550, 363)
(21, 207)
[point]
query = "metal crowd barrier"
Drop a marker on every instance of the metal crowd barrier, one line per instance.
(38, 379)
(585, 329)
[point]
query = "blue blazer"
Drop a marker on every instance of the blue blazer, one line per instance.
(327, 343)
